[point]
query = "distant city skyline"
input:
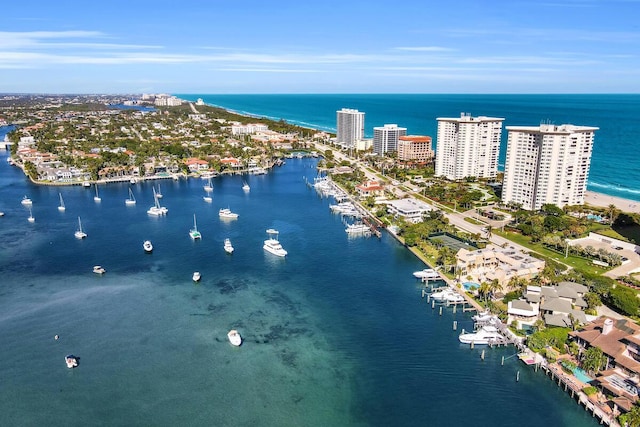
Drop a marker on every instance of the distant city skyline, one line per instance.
(144, 46)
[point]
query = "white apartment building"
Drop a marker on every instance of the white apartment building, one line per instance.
(415, 148)
(385, 138)
(468, 146)
(248, 129)
(547, 164)
(350, 127)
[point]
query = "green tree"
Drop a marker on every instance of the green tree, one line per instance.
(593, 360)
(631, 418)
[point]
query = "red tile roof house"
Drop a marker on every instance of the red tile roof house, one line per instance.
(231, 162)
(370, 188)
(196, 165)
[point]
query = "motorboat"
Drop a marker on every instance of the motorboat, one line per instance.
(245, 186)
(272, 245)
(71, 361)
(483, 336)
(80, 234)
(358, 228)
(208, 187)
(61, 208)
(86, 184)
(147, 246)
(131, 200)
(196, 276)
(132, 181)
(26, 201)
(484, 316)
(99, 269)
(208, 199)
(97, 198)
(447, 295)
(226, 213)
(228, 247)
(194, 233)
(234, 337)
(427, 273)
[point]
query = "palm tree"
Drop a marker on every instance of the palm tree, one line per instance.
(593, 360)
(495, 286)
(489, 231)
(484, 290)
(613, 212)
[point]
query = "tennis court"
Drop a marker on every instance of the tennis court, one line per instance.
(451, 242)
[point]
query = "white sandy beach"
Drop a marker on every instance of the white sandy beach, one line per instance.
(598, 199)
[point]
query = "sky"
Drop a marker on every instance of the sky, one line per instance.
(324, 46)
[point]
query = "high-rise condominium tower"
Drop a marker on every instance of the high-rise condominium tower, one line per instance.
(350, 127)
(385, 138)
(547, 164)
(468, 147)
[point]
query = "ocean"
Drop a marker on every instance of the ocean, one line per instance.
(613, 170)
(336, 333)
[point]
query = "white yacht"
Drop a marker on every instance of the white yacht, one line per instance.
(272, 244)
(147, 246)
(447, 295)
(234, 337)
(226, 213)
(483, 336)
(131, 200)
(86, 184)
(98, 269)
(71, 361)
(245, 186)
(79, 233)
(228, 247)
(427, 273)
(196, 276)
(208, 199)
(358, 228)
(209, 187)
(97, 198)
(194, 233)
(61, 208)
(26, 201)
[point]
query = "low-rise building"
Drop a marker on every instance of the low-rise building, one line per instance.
(495, 262)
(412, 210)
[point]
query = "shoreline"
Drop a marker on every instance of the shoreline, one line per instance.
(593, 198)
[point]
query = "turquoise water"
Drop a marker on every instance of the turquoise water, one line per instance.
(336, 334)
(470, 286)
(581, 375)
(616, 115)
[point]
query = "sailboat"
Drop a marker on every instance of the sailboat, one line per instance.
(131, 200)
(209, 187)
(159, 193)
(79, 233)
(156, 209)
(61, 208)
(97, 198)
(246, 187)
(31, 218)
(194, 233)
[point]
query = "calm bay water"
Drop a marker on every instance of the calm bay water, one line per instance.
(335, 334)
(614, 166)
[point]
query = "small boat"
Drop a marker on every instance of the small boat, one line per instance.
(228, 247)
(31, 218)
(208, 199)
(1, 213)
(357, 228)
(194, 233)
(485, 335)
(79, 233)
(132, 181)
(97, 198)
(61, 208)
(209, 187)
(147, 246)
(86, 184)
(131, 200)
(196, 276)
(427, 273)
(447, 295)
(26, 201)
(234, 337)
(272, 245)
(98, 269)
(226, 213)
(71, 361)
(246, 187)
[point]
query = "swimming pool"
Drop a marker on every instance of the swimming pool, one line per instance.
(581, 375)
(470, 286)
(596, 218)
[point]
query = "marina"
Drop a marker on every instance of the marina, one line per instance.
(286, 309)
